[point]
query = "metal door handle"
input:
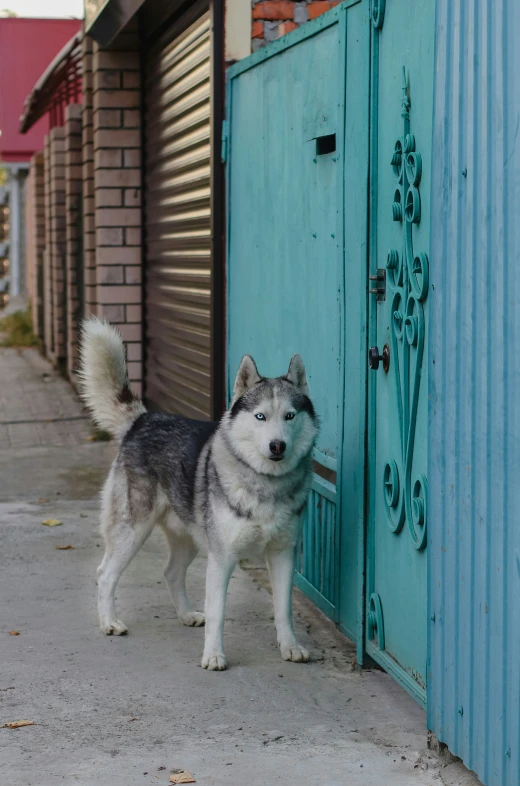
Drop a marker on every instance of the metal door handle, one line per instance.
(374, 357)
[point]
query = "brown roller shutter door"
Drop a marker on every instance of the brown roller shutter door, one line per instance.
(178, 223)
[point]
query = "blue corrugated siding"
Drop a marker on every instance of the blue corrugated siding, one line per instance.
(474, 428)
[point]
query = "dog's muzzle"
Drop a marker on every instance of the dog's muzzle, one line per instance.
(277, 448)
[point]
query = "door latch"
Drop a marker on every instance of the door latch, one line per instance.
(380, 290)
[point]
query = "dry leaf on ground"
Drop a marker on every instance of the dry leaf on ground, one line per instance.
(63, 548)
(182, 776)
(42, 499)
(14, 632)
(17, 724)
(52, 522)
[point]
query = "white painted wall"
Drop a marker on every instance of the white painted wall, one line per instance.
(238, 29)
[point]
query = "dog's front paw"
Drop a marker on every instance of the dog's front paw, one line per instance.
(193, 619)
(114, 628)
(214, 661)
(295, 652)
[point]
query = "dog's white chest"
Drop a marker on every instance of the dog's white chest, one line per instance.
(269, 527)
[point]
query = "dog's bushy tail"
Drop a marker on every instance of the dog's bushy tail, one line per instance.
(103, 378)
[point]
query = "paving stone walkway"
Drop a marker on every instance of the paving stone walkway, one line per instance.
(37, 405)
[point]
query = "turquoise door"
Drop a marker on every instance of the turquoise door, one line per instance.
(287, 161)
(401, 141)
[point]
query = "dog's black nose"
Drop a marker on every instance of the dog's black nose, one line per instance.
(277, 447)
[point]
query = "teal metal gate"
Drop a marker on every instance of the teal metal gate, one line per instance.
(296, 134)
(303, 116)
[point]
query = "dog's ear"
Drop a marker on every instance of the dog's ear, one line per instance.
(297, 375)
(247, 376)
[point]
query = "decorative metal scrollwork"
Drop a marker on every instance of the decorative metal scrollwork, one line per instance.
(407, 280)
(375, 624)
(378, 13)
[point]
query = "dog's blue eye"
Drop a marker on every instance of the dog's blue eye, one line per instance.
(259, 416)
(289, 416)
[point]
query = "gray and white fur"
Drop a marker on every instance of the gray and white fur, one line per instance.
(237, 488)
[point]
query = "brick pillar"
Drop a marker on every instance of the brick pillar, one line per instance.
(48, 334)
(89, 225)
(58, 241)
(36, 234)
(272, 19)
(117, 166)
(74, 219)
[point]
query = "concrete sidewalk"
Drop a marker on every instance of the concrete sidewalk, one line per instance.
(124, 711)
(37, 406)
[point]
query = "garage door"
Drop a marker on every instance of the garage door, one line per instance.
(178, 222)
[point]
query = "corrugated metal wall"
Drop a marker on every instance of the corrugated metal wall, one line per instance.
(178, 223)
(474, 429)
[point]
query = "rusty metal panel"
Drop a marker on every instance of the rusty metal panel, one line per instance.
(178, 223)
(474, 442)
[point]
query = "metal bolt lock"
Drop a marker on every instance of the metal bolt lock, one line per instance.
(380, 290)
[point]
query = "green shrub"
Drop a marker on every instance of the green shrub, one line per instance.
(16, 330)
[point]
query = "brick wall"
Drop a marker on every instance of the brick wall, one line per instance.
(274, 18)
(117, 193)
(58, 241)
(89, 225)
(74, 220)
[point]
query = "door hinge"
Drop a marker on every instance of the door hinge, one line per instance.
(224, 145)
(380, 289)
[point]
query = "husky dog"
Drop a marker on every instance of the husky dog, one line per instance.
(238, 487)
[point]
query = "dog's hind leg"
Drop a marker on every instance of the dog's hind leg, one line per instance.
(123, 539)
(182, 553)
